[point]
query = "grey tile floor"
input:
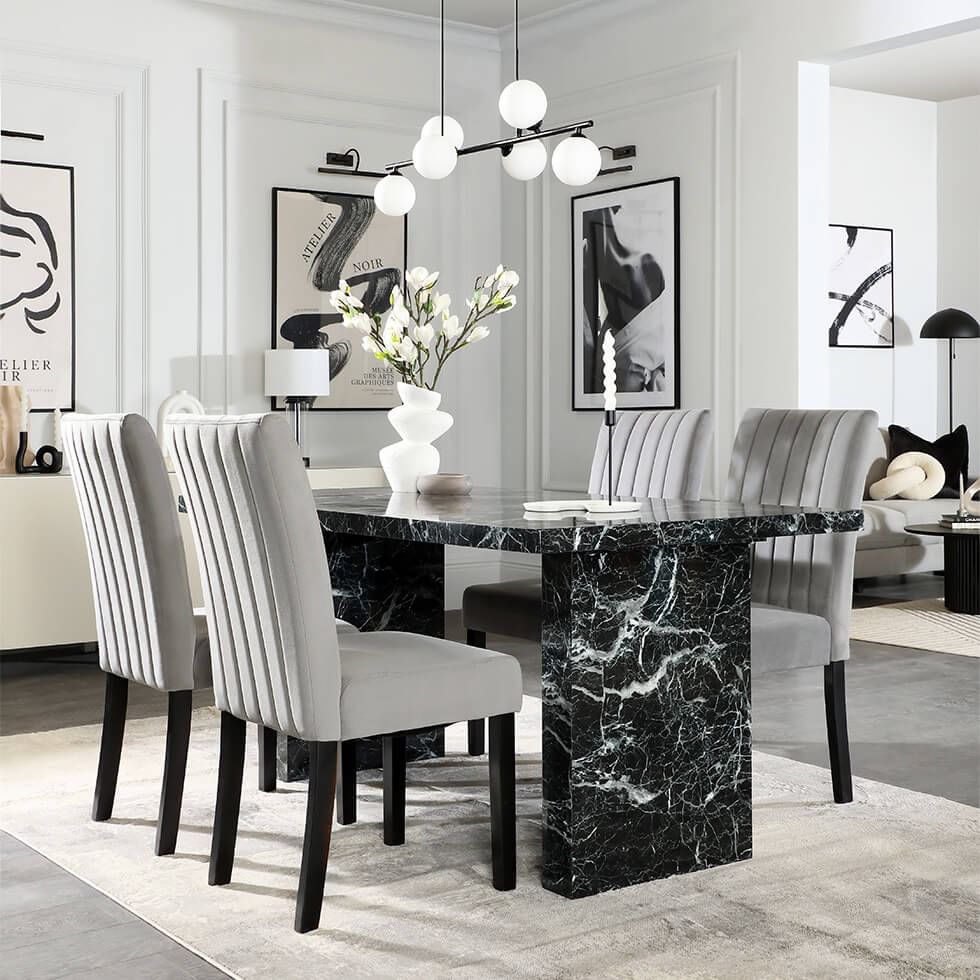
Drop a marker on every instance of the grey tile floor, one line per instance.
(913, 719)
(52, 925)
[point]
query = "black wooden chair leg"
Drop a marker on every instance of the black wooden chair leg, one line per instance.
(179, 706)
(503, 809)
(231, 769)
(475, 730)
(347, 783)
(476, 736)
(393, 763)
(840, 753)
(316, 839)
(113, 726)
(268, 756)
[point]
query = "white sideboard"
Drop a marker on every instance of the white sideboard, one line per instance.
(45, 591)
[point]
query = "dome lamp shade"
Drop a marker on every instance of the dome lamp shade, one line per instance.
(950, 325)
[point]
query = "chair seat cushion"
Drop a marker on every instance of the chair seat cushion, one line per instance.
(392, 682)
(512, 608)
(783, 638)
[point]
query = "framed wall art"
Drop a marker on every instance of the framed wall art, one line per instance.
(861, 294)
(319, 238)
(626, 280)
(37, 282)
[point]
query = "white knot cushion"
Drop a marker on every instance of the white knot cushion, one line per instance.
(912, 476)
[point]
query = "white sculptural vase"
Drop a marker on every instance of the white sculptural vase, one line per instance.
(419, 422)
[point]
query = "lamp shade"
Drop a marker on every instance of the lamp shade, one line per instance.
(950, 324)
(297, 372)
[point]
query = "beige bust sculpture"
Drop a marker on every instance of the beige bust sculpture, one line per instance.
(11, 410)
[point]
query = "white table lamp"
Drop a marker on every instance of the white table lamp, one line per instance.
(300, 375)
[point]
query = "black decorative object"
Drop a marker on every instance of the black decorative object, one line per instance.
(610, 426)
(861, 289)
(46, 460)
(626, 282)
(952, 450)
(951, 325)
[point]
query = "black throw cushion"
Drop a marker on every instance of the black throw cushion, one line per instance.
(952, 450)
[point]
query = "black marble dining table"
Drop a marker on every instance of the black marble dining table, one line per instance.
(645, 658)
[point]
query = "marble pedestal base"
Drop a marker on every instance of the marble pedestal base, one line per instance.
(646, 716)
(380, 584)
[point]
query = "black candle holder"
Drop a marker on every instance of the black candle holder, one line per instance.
(610, 425)
(46, 460)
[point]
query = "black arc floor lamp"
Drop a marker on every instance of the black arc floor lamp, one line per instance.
(951, 325)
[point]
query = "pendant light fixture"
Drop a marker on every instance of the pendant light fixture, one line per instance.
(523, 103)
(434, 155)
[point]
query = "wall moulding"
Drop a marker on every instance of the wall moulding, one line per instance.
(125, 84)
(712, 86)
(223, 97)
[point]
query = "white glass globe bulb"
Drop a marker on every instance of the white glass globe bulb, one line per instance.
(434, 157)
(523, 104)
(526, 160)
(394, 195)
(444, 126)
(576, 160)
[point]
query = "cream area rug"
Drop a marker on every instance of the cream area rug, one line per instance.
(924, 623)
(884, 887)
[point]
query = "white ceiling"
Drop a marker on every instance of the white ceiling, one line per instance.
(482, 13)
(945, 68)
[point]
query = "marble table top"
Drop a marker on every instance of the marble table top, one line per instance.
(492, 518)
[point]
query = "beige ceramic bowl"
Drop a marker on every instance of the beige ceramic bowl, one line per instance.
(445, 484)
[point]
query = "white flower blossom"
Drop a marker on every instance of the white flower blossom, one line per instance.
(407, 351)
(362, 322)
(424, 334)
(479, 332)
(370, 345)
(440, 303)
(415, 277)
(451, 328)
(509, 279)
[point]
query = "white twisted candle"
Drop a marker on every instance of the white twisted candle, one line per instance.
(609, 371)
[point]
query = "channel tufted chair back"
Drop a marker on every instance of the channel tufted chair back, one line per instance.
(143, 610)
(809, 458)
(655, 454)
(266, 583)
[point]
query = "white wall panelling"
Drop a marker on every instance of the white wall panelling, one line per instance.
(682, 121)
(93, 113)
(899, 384)
(959, 259)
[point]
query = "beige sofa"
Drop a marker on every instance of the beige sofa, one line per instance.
(883, 546)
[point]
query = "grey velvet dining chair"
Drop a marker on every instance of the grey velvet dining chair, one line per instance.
(147, 630)
(278, 658)
(655, 454)
(802, 586)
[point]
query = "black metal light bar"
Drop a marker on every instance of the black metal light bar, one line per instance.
(347, 164)
(14, 134)
(506, 142)
(342, 172)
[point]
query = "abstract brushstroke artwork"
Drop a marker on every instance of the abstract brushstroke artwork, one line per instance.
(319, 238)
(626, 282)
(861, 295)
(37, 282)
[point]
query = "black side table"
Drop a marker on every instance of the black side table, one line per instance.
(961, 551)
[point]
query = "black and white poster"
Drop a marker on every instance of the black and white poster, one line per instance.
(861, 296)
(37, 282)
(320, 238)
(625, 281)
